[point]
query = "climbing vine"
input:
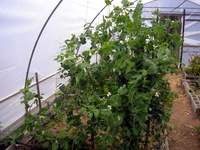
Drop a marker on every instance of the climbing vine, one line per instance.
(117, 96)
(121, 98)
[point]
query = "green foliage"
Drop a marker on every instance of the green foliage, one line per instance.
(116, 96)
(198, 129)
(108, 2)
(125, 3)
(122, 99)
(194, 66)
(28, 95)
(194, 69)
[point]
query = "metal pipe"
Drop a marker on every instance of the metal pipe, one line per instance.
(38, 38)
(183, 35)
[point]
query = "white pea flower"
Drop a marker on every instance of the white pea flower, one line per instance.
(109, 94)
(147, 41)
(130, 52)
(80, 60)
(121, 42)
(111, 57)
(98, 45)
(157, 94)
(109, 107)
(155, 47)
(113, 50)
(152, 38)
(126, 39)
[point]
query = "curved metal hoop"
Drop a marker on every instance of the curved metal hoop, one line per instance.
(37, 40)
(41, 31)
(44, 26)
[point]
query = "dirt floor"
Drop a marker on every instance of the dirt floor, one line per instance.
(182, 135)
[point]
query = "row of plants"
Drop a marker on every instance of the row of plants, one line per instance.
(193, 70)
(117, 96)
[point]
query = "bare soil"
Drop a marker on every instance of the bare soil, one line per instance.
(183, 122)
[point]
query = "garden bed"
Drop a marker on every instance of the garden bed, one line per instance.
(190, 76)
(192, 91)
(58, 128)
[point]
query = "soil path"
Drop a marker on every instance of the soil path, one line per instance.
(183, 120)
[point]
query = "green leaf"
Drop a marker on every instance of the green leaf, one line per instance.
(55, 145)
(108, 2)
(122, 90)
(125, 3)
(115, 101)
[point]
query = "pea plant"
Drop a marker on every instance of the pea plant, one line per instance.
(121, 100)
(117, 96)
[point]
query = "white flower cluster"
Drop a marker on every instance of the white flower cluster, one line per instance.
(149, 38)
(109, 107)
(155, 46)
(157, 94)
(113, 50)
(126, 39)
(147, 41)
(121, 42)
(79, 60)
(109, 94)
(111, 57)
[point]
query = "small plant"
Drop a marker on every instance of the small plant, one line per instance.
(194, 69)
(28, 96)
(198, 130)
(194, 66)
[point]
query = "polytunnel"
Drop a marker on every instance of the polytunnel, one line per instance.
(21, 22)
(33, 33)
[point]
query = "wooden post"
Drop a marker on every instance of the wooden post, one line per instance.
(38, 91)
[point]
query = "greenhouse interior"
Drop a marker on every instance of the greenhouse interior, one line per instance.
(100, 75)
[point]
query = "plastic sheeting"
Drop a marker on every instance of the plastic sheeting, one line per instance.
(20, 24)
